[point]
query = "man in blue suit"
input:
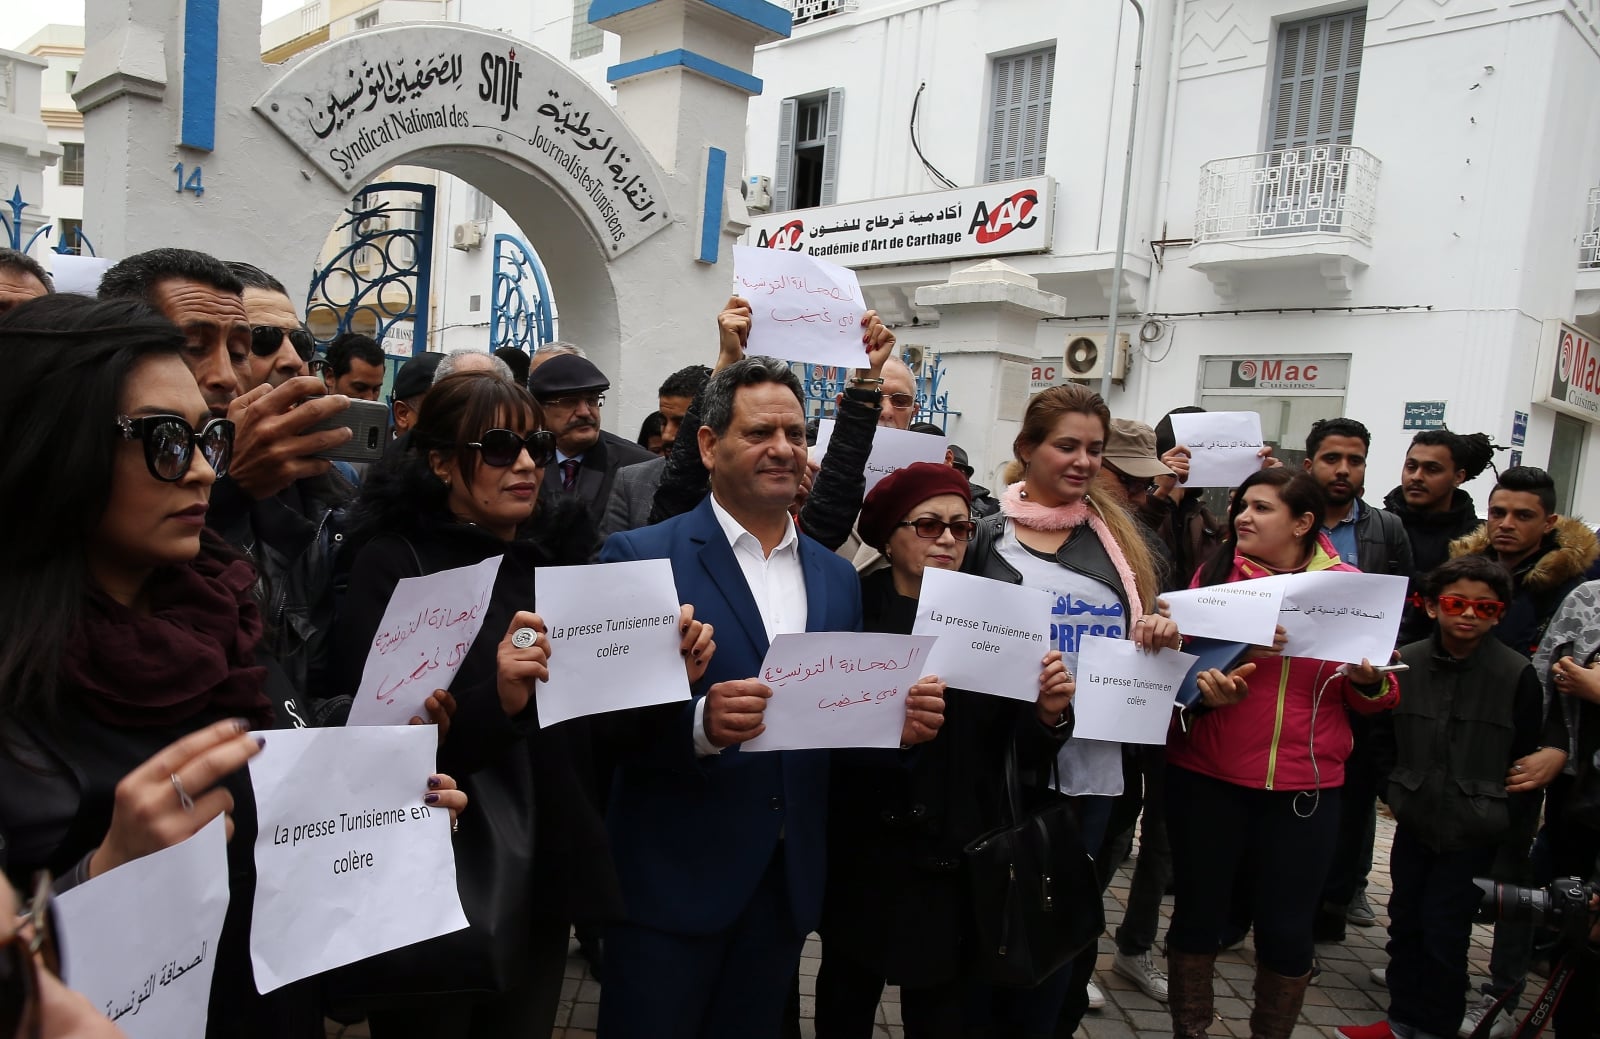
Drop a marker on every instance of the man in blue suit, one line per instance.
(721, 854)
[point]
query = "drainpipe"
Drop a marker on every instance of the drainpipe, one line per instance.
(1122, 221)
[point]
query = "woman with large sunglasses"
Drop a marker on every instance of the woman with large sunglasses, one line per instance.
(1253, 785)
(131, 664)
(898, 907)
(533, 855)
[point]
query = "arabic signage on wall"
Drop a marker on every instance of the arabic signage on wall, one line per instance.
(1568, 374)
(363, 103)
(1423, 414)
(1016, 216)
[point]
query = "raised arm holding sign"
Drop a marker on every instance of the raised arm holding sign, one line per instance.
(1224, 447)
(801, 309)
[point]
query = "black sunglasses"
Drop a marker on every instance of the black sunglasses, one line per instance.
(170, 442)
(35, 936)
(932, 529)
(266, 339)
(501, 447)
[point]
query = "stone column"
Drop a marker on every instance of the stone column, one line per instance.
(25, 148)
(987, 338)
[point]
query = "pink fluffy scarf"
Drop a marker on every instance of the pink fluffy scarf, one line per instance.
(1031, 514)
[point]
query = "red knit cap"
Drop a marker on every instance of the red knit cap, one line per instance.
(889, 503)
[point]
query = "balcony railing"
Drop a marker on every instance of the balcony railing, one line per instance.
(1589, 242)
(810, 10)
(1328, 189)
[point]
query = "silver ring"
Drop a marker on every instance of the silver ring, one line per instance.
(1141, 620)
(184, 799)
(522, 638)
(455, 824)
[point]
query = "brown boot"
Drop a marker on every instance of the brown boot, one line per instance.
(1278, 1001)
(1189, 992)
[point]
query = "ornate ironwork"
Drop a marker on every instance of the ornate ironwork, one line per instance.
(520, 316)
(810, 10)
(13, 227)
(384, 267)
(1330, 188)
(1589, 241)
(822, 385)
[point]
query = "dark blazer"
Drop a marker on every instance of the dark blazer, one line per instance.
(693, 836)
(596, 472)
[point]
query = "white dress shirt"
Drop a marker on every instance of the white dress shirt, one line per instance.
(777, 582)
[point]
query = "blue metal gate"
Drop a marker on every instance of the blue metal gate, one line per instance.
(520, 316)
(380, 276)
(823, 384)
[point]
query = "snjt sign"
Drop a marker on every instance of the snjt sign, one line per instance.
(366, 102)
(1568, 378)
(988, 220)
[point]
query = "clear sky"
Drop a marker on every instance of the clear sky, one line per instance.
(20, 19)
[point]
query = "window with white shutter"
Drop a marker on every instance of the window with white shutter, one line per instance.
(586, 39)
(1019, 114)
(807, 170)
(1317, 77)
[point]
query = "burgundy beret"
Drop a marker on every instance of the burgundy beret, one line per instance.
(888, 504)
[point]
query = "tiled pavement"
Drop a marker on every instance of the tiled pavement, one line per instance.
(1344, 994)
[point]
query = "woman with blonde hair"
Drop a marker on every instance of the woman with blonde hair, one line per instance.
(1089, 553)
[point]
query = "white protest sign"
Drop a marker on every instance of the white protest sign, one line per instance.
(78, 274)
(1341, 615)
(349, 861)
(1243, 611)
(613, 638)
(838, 689)
(891, 449)
(140, 941)
(426, 631)
(993, 635)
(801, 309)
(1124, 694)
(1223, 446)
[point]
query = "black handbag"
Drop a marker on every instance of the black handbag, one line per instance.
(1034, 888)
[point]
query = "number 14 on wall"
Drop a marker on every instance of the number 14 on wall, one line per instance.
(194, 182)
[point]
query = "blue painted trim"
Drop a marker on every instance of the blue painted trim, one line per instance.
(760, 13)
(199, 124)
(681, 58)
(711, 217)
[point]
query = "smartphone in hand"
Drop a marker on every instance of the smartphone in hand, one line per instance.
(368, 422)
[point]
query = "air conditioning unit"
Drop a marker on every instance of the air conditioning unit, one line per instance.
(467, 236)
(758, 193)
(372, 226)
(1085, 356)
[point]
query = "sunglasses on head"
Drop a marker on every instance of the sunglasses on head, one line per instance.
(501, 447)
(265, 340)
(35, 936)
(1484, 609)
(170, 442)
(932, 529)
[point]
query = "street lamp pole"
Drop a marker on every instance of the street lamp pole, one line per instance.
(1110, 356)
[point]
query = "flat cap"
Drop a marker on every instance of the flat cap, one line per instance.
(416, 375)
(566, 373)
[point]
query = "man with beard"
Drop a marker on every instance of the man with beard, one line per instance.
(1432, 506)
(1375, 542)
(571, 391)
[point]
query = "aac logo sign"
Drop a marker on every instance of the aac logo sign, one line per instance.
(791, 236)
(1015, 212)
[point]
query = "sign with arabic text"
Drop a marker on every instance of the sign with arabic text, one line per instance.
(1568, 378)
(1423, 414)
(1015, 216)
(365, 102)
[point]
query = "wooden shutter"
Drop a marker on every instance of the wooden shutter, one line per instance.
(783, 172)
(1019, 114)
(833, 121)
(1317, 78)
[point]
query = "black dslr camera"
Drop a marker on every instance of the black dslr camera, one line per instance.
(1561, 906)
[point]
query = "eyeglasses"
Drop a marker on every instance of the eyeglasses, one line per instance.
(19, 970)
(170, 442)
(930, 528)
(594, 400)
(1132, 484)
(317, 365)
(265, 340)
(501, 447)
(1483, 609)
(900, 401)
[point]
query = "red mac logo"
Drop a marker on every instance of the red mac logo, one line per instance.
(790, 236)
(1017, 211)
(1578, 367)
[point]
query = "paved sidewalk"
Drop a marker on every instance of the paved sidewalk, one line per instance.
(1344, 994)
